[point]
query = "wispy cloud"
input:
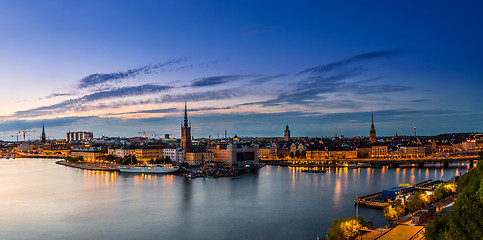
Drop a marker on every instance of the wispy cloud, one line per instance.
(78, 103)
(337, 77)
(351, 60)
(96, 79)
(215, 80)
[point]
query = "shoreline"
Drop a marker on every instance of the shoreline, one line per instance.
(90, 166)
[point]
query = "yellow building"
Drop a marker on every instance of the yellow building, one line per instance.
(316, 154)
(379, 151)
(342, 154)
(146, 154)
(192, 158)
(89, 155)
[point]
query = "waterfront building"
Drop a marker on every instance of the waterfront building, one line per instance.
(236, 154)
(316, 154)
(286, 135)
(186, 132)
(469, 145)
(174, 154)
(372, 132)
(379, 150)
(364, 151)
(43, 138)
(264, 152)
(120, 152)
(196, 158)
(342, 154)
(89, 155)
(413, 151)
(146, 154)
(79, 136)
(273, 150)
(56, 147)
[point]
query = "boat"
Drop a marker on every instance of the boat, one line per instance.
(314, 170)
(148, 169)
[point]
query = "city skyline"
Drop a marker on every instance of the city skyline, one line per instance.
(249, 68)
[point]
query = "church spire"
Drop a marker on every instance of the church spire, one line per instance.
(42, 137)
(372, 132)
(185, 115)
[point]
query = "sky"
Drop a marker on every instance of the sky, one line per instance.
(119, 68)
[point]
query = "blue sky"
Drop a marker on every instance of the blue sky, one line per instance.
(121, 67)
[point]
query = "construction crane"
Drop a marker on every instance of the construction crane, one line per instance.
(24, 133)
(15, 135)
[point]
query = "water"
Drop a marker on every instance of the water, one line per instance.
(42, 200)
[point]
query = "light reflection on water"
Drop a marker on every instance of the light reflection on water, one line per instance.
(42, 200)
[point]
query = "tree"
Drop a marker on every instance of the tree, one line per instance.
(400, 207)
(464, 220)
(297, 154)
(303, 154)
(74, 159)
(418, 201)
(280, 155)
(346, 228)
(444, 190)
(390, 214)
(291, 155)
(110, 158)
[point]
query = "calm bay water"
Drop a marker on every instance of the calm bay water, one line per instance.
(42, 200)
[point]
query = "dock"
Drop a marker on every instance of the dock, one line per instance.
(370, 200)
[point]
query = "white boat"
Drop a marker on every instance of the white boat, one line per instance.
(148, 169)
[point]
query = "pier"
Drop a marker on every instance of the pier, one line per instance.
(370, 200)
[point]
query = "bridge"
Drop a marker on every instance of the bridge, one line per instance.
(375, 162)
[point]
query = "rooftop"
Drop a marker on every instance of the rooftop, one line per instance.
(402, 232)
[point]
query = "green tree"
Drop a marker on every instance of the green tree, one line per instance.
(280, 156)
(297, 154)
(292, 155)
(110, 158)
(345, 228)
(400, 207)
(444, 190)
(74, 159)
(390, 214)
(464, 220)
(303, 154)
(418, 201)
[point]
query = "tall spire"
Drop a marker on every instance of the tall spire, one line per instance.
(185, 115)
(372, 117)
(42, 137)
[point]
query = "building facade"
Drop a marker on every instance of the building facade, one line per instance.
(174, 154)
(89, 155)
(196, 159)
(79, 136)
